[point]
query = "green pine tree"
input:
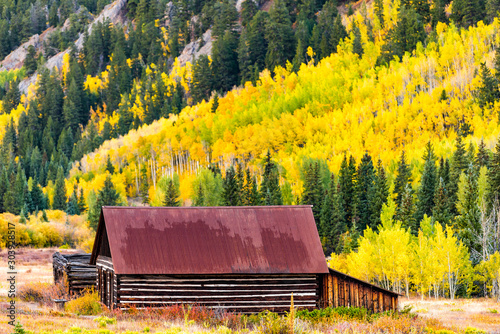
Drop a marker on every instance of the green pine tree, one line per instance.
(59, 202)
(347, 190)
(403, 179)
(72, 207)
(225, 62)
(199, 199)
(313, 193)
(107, 196)
(406, 213)
(248, 10)
(270, 190)
(231, 193)
(468, 223)
(364, 188)
(339, 33)
(250, 192)
(37, 198)
(30, 61)
(4, 187)
(357, 47)
(459, 164)
(488, 92)
(12, 98)
(441, 210)
(494, 174)
(172, 194)
(438, 13)
(378, 195)
(279, 35)
(81, 202)
(428, 184)
(379, 11)
(144, 186)
(404, 37)
(483, 156)
(202, 83)
(109, 166)
(326, 230)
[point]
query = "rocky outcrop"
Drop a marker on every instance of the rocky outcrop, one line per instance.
(15, 59)
(115, 12)
(197, 48)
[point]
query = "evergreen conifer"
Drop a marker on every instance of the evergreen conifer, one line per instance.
(428, 184)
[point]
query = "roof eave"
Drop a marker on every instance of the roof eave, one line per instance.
(98, 238)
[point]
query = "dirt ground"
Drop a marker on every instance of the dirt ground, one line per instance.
(479, 313)
(32, 265)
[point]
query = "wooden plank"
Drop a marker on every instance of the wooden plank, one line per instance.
(166, 291)
(220, 281)
(380, 301)
(219, 299)
(199, 278)
(286, 294)
(194, 287)
(335, 291)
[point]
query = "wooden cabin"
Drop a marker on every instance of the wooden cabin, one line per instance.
(339, 289)
(75, 269)
(242, 259)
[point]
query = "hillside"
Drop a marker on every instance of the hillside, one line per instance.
(343, 105)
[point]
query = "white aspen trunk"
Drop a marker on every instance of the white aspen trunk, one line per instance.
(137, 178)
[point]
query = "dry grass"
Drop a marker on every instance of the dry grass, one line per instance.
(35, 277)
(33, 265)
(460, 313)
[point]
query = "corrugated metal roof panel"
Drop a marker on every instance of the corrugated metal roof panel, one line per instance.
(213, 240)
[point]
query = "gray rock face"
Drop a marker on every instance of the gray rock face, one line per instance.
(197, 48)
(114, 12)
(15, 59)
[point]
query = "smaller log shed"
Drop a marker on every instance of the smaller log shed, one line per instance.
(242, 259)
(77, 271)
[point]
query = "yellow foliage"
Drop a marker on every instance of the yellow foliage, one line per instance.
(341, 105)
(60, 228)
(65, 65)
(93, 84)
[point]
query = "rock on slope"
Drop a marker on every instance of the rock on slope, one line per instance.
(115, 12)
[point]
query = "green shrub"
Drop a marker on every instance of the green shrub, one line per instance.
(326, 314)
(18, 329)
(104, 321)
(472, 330)
(271, 323)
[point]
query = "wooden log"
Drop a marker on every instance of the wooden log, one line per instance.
(199, 287)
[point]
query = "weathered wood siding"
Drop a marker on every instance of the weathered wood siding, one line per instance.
(106, 281)
(239, 293)
(77, 271)
(337, 289)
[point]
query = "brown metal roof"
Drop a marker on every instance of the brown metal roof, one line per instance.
(211, 240)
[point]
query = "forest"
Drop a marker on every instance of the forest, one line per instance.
(383, 115)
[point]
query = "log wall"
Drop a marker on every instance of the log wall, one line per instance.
(238, 293)
(337, 289)
(76, 269)
(106, 281)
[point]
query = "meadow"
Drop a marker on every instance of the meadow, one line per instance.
(37, 313)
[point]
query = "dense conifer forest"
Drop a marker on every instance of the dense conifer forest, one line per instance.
(383, 115)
